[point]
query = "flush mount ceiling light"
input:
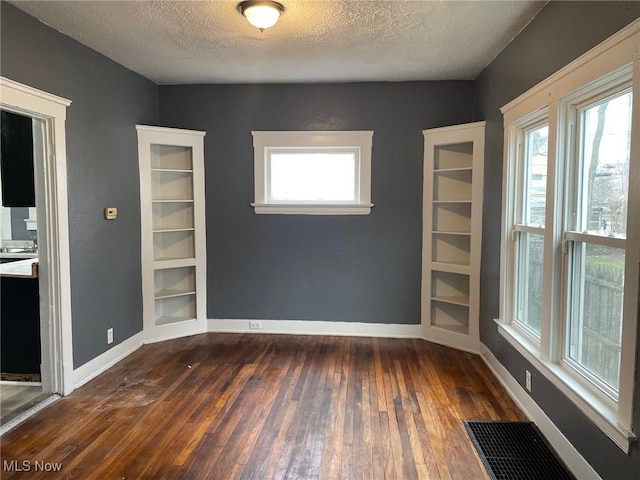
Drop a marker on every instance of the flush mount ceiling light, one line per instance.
(261, 13)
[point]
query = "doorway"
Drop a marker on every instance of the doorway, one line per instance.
(48, 222)
(21, 384)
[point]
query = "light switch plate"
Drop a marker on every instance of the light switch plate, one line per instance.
(110, 213)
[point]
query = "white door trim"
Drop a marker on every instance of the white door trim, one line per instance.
(52, 110)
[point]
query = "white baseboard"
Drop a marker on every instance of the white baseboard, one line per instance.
(567, 452)
(306, 327)
(95, 367)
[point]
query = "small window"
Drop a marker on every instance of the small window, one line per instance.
(312, 173)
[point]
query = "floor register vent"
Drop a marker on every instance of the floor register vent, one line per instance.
(515, 451)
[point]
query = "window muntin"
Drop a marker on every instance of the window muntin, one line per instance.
(313, 175)
(312, 172)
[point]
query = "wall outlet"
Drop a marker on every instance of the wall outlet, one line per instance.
(527, 382)
(255, 325)
(109, 336)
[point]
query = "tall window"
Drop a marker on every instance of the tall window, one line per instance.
(571, 233)
(596, 236)
(529, 226)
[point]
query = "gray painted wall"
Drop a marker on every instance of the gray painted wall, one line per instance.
(102, 168)
(319, 268)
(561, 32)
(335, 268)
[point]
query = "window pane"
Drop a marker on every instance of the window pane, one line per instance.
(536, 175)
(605, 144)
(529, 281)
(595, 326)
(309, 177)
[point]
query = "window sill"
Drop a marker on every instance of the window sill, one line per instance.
(601, 413)
(312, 209)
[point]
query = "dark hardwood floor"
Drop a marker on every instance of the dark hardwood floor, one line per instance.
(224, 406)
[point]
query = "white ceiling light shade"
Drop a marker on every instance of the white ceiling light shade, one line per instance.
(261, 13)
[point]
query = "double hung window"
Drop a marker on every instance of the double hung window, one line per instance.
(571, 233)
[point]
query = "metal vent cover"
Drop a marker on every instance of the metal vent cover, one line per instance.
(515, 451)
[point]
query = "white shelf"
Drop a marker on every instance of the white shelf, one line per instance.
(461, 268)
(172, 293)
(451, 217)
(457, 329)
(452, 211)
(171, 185)
(174, 157)
(169, 230)
(450, 316)
(166, 262)
(447, 170)
(172, 170)
(451, 249)
(177, 307)
(454, 300)
(173, 231)
(173, 245)
(439, 232)
(171, 320)
(452, 187)
(452, 156)
(174, 282)
(169, 216)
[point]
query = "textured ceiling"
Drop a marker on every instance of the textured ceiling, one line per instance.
(175, 42)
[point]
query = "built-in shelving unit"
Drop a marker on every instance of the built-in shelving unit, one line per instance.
(452, 213)
(173, 231)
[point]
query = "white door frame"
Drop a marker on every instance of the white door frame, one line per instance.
(56, 331)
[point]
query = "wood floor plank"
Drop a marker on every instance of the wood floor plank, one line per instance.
(378, 453)
(239, 406)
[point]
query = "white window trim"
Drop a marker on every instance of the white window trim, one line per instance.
(362, 140)
(619, 52)
(518, 134)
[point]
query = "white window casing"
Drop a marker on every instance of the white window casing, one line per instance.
(347, 192)
(615, 61)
